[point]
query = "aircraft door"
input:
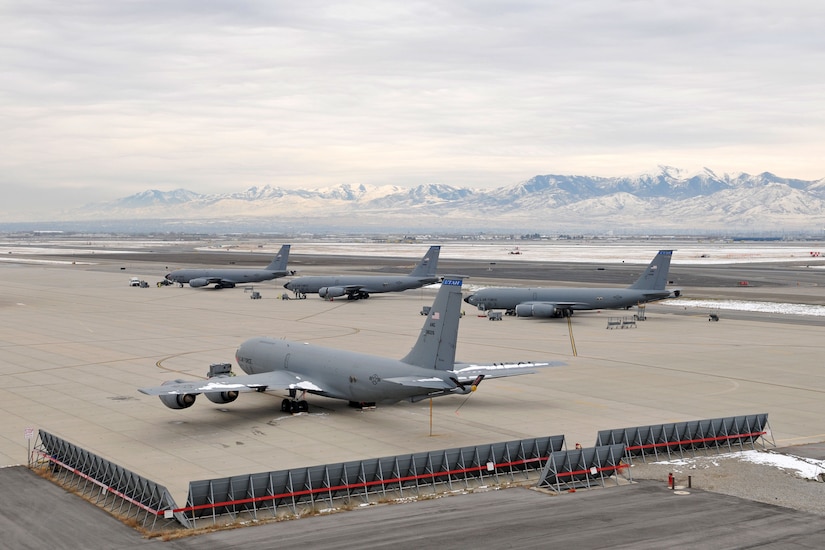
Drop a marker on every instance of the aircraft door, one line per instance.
(286, 361)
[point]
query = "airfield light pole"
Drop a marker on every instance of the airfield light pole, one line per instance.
(431, 416)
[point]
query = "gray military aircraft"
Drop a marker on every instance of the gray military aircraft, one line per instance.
(355, 287)
(561, 302)
(428, 370)
(228, 277)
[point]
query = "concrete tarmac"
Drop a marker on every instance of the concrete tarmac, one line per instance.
(76, 342)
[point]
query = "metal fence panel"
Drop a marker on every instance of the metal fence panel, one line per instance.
(116, 489)
(370, 479)
(676, 438)
(582, 467)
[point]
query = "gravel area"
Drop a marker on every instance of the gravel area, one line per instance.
(732, 474)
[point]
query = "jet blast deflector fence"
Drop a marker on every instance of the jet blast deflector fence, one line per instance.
(291, 492)
(615, 449)
(583, 468)
(299, 491)
(123, 493)
(674, 440)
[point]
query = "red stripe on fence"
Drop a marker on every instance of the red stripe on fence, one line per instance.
(102, 485)
(305, 492)
(598, 470)
(687, 441)
(359, 485)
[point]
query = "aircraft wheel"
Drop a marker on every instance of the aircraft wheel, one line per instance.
(303, 405)
(286, 405)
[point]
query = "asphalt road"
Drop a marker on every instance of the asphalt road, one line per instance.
(646, 515)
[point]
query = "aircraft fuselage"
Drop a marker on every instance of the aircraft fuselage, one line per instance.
(236, 276)
(571, 298)
(370, 284)
(353, 376)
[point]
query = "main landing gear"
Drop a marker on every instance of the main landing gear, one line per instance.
(293, 405)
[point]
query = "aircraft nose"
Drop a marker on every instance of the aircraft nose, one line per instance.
(168, 277)
(286, 286)
(471, 299)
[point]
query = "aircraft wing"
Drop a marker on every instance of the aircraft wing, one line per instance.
(467, 372)
(249, 382)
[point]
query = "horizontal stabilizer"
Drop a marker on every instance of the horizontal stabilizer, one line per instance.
(417, 382)
(467, 372)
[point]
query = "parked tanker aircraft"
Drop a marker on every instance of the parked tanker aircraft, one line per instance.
(428, 370)
(562, 302)
(228, 277)
(355, 287)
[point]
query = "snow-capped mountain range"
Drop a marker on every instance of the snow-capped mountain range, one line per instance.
(668, 200)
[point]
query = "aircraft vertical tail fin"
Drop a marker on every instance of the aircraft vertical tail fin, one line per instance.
(428, 264)
(279, 263)
(435, 348)
(655, 276)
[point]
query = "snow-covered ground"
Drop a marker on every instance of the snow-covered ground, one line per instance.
(686, 253)
(745, 305)
(585, 252)
(805, 468)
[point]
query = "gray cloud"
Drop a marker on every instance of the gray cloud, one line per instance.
(110, 98)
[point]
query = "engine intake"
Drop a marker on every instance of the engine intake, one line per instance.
(178, 401)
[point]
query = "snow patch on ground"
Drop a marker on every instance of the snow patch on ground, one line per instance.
(806, 468)
(743, 305)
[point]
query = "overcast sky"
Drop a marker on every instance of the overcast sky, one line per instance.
(100, 99)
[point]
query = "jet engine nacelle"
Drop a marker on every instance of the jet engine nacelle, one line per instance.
(199, 282)
(183, 401)
(222, 397)
(331, 292)
(537, 310)
(524, 310)
(546, 310)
